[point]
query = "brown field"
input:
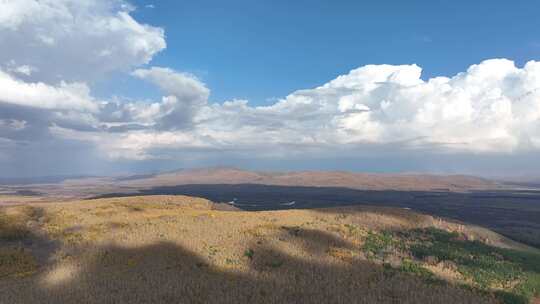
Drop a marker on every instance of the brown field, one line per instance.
(177, 249)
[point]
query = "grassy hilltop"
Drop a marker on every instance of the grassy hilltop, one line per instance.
(178, 249)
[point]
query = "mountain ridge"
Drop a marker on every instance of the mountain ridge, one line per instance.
(368, 181)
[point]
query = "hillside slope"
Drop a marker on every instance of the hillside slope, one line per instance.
(187, 250)
(313, 179)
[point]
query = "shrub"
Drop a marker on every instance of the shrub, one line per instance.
(249, 253)
(379, 245)
(515, 272)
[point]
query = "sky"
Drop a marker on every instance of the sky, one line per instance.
(116, 87)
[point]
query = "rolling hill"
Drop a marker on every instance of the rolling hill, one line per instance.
(180, 249)
(369, 181)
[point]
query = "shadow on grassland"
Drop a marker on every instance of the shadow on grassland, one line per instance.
(23, 246)
(168, 273)
(515, 214)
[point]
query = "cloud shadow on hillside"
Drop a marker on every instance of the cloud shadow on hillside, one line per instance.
(166, 272)
(515, 214)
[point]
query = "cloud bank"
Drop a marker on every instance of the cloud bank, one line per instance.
(374, 113)
(493, 107)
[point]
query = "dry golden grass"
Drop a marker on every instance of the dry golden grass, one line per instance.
(176, 249)
(14, 222)
(16, 262)
(7, 199)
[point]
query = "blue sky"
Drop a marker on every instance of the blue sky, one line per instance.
(260, 50)
(98, 87)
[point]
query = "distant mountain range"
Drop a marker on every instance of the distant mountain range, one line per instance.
(231, 175)
(53, 179)
(371, 181)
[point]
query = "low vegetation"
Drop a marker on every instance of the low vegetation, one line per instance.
(512, 275)
(167, 249)
(515, 274)
(16, 262)
(13, 225)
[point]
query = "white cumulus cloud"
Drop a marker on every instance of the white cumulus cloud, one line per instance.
(492, 108)
(75, 40)
(53, 50)
(186, 95)
(74, 96)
